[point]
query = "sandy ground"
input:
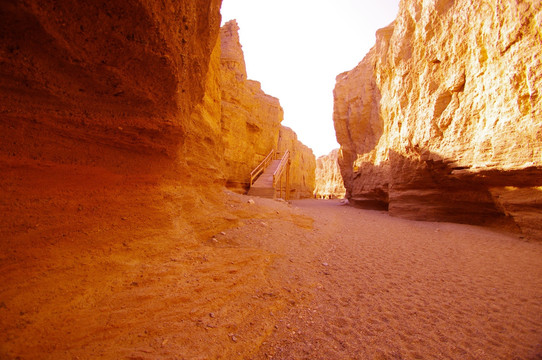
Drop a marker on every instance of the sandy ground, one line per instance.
(310, 280)
(388, 288)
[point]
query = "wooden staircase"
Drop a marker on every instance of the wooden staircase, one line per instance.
(266, 179)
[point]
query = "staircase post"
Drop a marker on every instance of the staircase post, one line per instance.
(280, 187)
(287, 197)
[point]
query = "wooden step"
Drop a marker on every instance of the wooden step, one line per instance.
(266, 192)
(263, 186)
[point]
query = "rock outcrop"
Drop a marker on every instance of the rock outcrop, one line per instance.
(302, 164)
(329, 182)
(250, 118)
(441, 119)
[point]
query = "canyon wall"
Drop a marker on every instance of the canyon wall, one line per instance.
(329, 181)
(250, 118)
(116, 140)
(441, 120)
(104, 84)
(106, 108)
(302, 164)
(110, 157)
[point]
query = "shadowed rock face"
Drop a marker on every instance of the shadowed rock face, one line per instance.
(329, 182)
(111, 159)
(103, 82)
(441, 120)
(107, 115)
(136, 89)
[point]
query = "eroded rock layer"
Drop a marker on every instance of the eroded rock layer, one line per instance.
(441, 120)
(329, 182)
(302, 164)
(250, 118)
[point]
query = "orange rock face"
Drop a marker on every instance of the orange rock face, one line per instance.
(329, 181)
(112, 150)
(250, 118)
(106, 161)
(106, 95)
(441, 119)
(302, 164)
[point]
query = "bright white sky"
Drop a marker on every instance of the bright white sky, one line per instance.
(296, 48)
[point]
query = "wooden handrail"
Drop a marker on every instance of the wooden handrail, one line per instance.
(261, 167)
(284, 165)
(280, 169)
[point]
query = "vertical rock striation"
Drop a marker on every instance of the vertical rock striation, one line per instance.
(329, 182)
(302, 164)
(441, 120)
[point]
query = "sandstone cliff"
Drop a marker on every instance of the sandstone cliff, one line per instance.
(102, 142)
(86, 85)
(441, 119)
(302, 164)
(111, 163)
(250, 118)
(329, 182)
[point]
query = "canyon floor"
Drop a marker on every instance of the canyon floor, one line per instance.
(314, 279)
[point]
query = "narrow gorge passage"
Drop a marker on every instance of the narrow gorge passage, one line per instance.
(386, 288)
(128, 133)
